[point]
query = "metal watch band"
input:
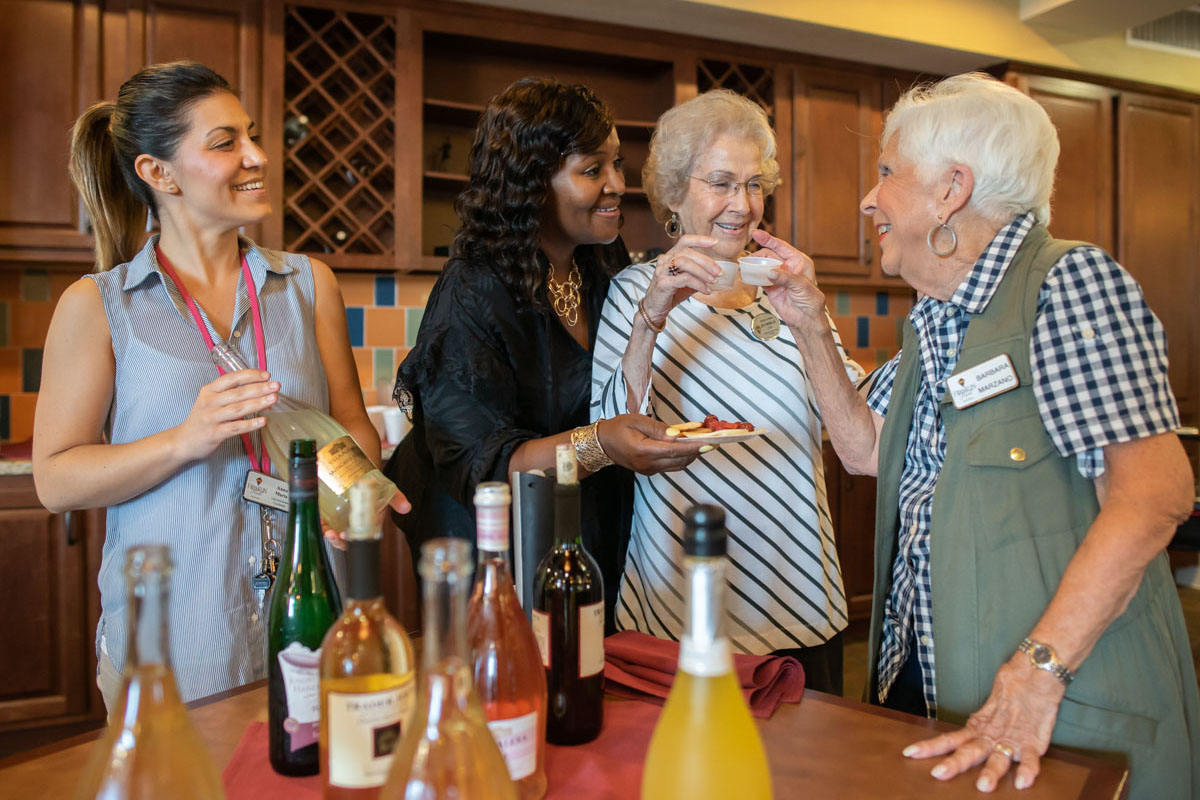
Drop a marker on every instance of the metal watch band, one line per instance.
(1043, 656)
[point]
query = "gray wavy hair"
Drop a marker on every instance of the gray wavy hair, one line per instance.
(1003, 135)
(685, 131)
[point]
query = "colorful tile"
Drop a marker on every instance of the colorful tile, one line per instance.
(384, 327)
(29, 322)
(413, 290)
(20, 426)
(10, 370)
(412, 324)
(841, 303)
(5, 421)
(862, 331)
(354, 324)
(862, 303)
(31, 369)
(362, 361)
(385, 365)
(385, 290)
(357, 289)
(882, 332)
(881, 303)
(35, 285)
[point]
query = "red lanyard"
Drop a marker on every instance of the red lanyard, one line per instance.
(260, 341)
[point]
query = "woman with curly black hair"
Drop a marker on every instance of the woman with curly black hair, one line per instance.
(501, 370)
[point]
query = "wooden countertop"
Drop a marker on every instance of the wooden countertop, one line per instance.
(824, 746)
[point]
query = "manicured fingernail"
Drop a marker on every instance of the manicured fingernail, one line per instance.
(984, 784)
(910, 751)
(939, 771)
(1023, 782)
(708, 448)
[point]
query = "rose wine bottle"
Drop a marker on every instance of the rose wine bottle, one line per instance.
(368, 678)
(150, 748)
(448, 753)
(568, 619)
(508, 671)
(304, 604)
(340, 461)
(705, 745)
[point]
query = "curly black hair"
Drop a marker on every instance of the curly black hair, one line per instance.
(525, 134)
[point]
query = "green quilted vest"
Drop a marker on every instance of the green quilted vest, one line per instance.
(1008, 514)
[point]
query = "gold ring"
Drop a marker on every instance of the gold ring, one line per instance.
(1004, 750)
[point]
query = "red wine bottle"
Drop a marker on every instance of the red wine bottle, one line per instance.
(568, 619)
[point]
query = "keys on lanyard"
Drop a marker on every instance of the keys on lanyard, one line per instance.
(265, 579)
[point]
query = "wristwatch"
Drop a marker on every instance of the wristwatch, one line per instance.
(1043, 656)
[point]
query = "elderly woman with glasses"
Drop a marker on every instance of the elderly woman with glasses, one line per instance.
(1029, 472)
(678, 343)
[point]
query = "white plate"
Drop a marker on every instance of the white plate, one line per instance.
(722, 436)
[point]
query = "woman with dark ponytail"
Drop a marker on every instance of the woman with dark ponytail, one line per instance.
(132, 414)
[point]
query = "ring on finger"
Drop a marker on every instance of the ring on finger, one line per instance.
(1005, 750)
(672, 270)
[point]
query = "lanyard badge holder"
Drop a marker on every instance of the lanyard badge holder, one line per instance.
(261, 487)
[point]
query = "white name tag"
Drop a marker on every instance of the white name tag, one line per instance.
(982, 381)
(266, 490)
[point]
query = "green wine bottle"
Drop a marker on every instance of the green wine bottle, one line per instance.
(304, 604)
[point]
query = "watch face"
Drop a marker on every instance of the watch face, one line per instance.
(1041, 654)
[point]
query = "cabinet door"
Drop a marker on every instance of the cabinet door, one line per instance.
(44, 663)
(50, 59)
(836, 127)
(1082, 206)
(1158, 182)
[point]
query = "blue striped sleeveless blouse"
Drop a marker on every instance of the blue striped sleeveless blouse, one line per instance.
(217, 629)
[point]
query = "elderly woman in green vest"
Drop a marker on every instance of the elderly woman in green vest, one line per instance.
(1029, 475)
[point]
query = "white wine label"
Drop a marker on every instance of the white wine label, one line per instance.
(518, 741)
(341, 462)
(364, 729)
(300, 668)
(591, 639)
(541, 632)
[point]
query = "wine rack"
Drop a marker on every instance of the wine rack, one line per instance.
(340, 129)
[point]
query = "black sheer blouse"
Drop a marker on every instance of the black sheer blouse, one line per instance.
(487, 373)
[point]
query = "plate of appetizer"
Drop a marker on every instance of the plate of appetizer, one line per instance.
(712, 428)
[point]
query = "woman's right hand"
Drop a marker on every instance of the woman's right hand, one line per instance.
(639, 443)
(220, 410)
(693, 272)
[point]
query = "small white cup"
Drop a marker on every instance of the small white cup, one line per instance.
(756, 270)
(375, 414)
(729, 273)
(396, 425)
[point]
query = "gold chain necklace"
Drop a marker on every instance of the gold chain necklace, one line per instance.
(566, 295)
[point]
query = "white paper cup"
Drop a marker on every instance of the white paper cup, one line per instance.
(396, 425)
(729, 273)
(375, 414)
(756, 270)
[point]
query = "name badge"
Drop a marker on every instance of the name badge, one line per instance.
(982, 381)
(266, 490)
(764, 326)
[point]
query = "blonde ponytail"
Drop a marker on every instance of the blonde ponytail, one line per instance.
(118, 216)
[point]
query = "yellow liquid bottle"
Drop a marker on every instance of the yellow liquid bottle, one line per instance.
(368, 679)
(448, 752)
(150, 749)
(705, 745)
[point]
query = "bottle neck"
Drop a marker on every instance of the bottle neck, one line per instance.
(445, 634)
(304, 520)
(491, 545)
(362, 569)
(229, 359)
(566, 514)
(149, 604)
(704, 649)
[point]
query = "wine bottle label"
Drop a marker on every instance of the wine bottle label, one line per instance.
(300, 668)
(591, 639)
(340, 463)
(491, 523)
(541, 632)
(364, 729)
(518, 741)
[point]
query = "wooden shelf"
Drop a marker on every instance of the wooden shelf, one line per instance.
(455, 179)
(452, 112)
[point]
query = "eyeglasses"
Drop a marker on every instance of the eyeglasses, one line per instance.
(723, 188)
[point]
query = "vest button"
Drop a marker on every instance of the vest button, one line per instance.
(1016, 454)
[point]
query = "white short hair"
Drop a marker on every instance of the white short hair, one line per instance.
(684, 132)
(1003, 135)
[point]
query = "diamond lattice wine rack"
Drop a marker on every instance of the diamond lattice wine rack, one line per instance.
(339, 136)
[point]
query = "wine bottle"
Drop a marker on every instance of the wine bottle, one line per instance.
(304, 604)
(150, 748)
(568, 619)
(340, 461)
(508, 672)
(368, 682)
(705, 745)
(448, 751)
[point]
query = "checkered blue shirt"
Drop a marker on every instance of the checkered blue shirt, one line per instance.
(1099, 364)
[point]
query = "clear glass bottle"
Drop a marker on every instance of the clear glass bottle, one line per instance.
(568, 618)
(340, 461)
(509, 677)
(448, 751)
(705, 745)
(304, 605)
(150, 748)
(368, 677)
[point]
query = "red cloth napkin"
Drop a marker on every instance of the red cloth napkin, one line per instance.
(641, 666)
(248, 775)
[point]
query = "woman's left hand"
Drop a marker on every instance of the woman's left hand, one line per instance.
(1018, 715)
